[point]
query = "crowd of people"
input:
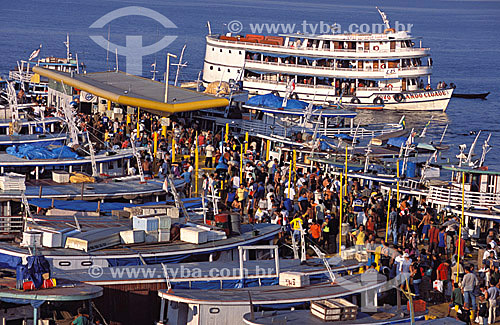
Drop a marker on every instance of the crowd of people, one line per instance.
(411, 238)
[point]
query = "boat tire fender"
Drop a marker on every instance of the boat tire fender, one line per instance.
(398, 97)
(376, 48)
(378, 100)
(275, 93)
(355, 100)
(294, 96)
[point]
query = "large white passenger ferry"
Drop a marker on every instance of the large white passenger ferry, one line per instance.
(379, 68)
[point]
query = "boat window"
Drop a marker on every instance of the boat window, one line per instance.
(195, 310)
(211, 67)
(213, 48)
(87, 263)
(228, 70)
(221, 50)
(229, 51)
(218, 69)
(64, 263)
(214, 310)
(240, 53)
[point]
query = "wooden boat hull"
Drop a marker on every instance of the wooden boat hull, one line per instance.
(471, 96)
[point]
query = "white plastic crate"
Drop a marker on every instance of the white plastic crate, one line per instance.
(13, 182)
(294, 279)
(216, 235)
(32, 239)
(54, 238)
(163, 235)
(60, 176)
(164, 222)
(132, 236)
(194, 235)
(145, 223)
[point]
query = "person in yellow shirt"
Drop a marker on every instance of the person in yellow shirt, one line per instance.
(296, 225)
(378, 254)
(359, 238)
(240, 198)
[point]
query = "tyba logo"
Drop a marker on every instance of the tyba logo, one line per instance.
(133, 50)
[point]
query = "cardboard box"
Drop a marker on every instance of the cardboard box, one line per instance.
(194, 235)
(294, 279)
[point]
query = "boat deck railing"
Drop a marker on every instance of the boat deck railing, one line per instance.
(371, 131)
(453, 197)
(11, 224)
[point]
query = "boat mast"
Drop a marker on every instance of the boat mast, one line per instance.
(486, 149)
(471, 150)
(68, 53)
(179, 65)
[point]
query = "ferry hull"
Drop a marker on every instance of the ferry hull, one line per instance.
(432, 100)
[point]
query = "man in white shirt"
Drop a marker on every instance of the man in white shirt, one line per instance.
(209, 153)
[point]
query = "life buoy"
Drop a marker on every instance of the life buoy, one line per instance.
(378, 100)
(376, 48)
(294, 96)
(275, 93)
(399, 97)
(389, 86)
(355, 100)
(382, 66)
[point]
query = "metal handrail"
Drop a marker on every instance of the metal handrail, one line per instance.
(11, 224)
(362, 132)
(452, 196)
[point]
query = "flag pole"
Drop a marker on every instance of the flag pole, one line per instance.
(397, 183)
(346, 147)
(460, 230)
(340, 216)
(388, 213)
(196, 164)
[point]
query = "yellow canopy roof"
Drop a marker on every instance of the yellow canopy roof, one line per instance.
(126, 89)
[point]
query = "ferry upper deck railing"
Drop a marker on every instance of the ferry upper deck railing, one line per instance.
(425, 50)
(453, 197)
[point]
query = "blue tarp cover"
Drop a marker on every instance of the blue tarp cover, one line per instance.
(270, 100)
(31, 152)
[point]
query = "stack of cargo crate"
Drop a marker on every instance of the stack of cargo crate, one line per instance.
(330, 310)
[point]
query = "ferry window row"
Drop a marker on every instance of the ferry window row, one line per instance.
(219, 69)
(366, 65)
(228, 51)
